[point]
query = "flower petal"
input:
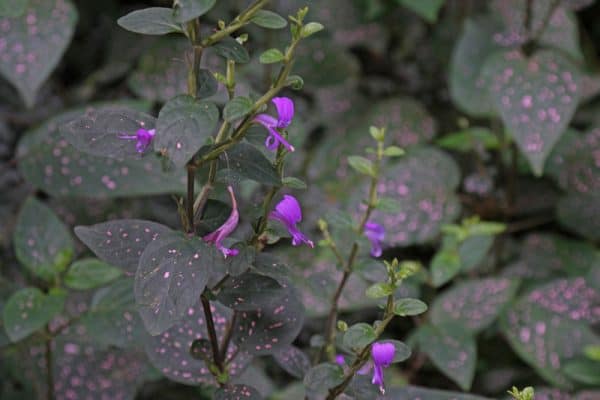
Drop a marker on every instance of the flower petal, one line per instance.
(290, 208)
(383, 353)
(376, 234)
(285, 111)
(279, 140)
(225, 230)
(266, 120)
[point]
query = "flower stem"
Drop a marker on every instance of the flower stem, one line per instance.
(228, 334)
(236, 24)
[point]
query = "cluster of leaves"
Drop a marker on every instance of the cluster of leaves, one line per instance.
(485, 180)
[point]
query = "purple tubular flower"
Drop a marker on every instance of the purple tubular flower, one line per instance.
(340, 360)
(144, 138)
(285, 112)
(288, 212)
(382, 355)
(224, 230)
(376, 234)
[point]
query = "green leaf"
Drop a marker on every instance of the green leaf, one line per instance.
(54, 25)
(150, 21)
(295, 82)
(293, 360)
(269, 20)
(187, 10)
(445, 265)
(583, 371)
(13, 8)
(231, 49)
(319, 379)
(388, 205)
(172, 273)
(246, 161)
(452, 350)
(28, 310)
(237, 107)
(42, 242)
(428, 9)
(474, 304)
(359, 336)
(206, 84)
(236, 392)
(470, 139)
(310, 29)
(294, 183)
(184, 124)
(592, 352)
(408, 307)
(535, 109)
(271, 56)
(474, 250)
(250, 291)
(362, 165)
(393, 151)
(379, 290)
(90, 273)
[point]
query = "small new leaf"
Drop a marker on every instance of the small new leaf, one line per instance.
(310, 29)
(90, 273)
(362, 165)
(294, 183)
(150, 21)
(393, 151)
(379, 290)
(269, 20)
(271, 56)
(409, 307)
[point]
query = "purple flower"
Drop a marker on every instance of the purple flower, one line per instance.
(285, 111)
(144, 138)
(288, 212)
(376, 234)
(340, 360)
(224, 230)
(382, 354)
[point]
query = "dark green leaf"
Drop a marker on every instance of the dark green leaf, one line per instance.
(536, 101)
(237, 392)
(206, 84)
(428, 9)
(379, 290)
(42, 242)
(172, 273)
(187, 10)
(90, 273)
(583, 371)
(99, 132)
(150, 21)
(580, 213)
(361, 165)
(293, 361)
(359, 336)
(121, 242)
(269, 19)
(184, 124)
(36, 48)
(474, 304)
(251, 291)
(321, 378)
(271, 56)
(245, 160)
(13, 8)
(237, 107)
(272, 326)
(409, 307)
(28, 310)
(452, 350)
(230, 49)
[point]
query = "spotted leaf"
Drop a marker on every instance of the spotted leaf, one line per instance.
(580, 213)
(169, 352)
(13, 8)
(29, 310)
(108, 133)
(184, 124)
(121, 242)
(32, 45)
(246, 161)
(42, 242)
(293, 360)
(172, 274)
(161, 74)
(237, 392)
(271, 326)
(536, 99)
(251, 291)
(452, 350)
(473, 304)
(320, 378)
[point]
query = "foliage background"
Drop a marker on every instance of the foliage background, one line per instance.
(377, 63)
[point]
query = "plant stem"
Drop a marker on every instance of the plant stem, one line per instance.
(212, 333)
(190, 198)
(228, 334)
(236, 24)
(49, 367)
